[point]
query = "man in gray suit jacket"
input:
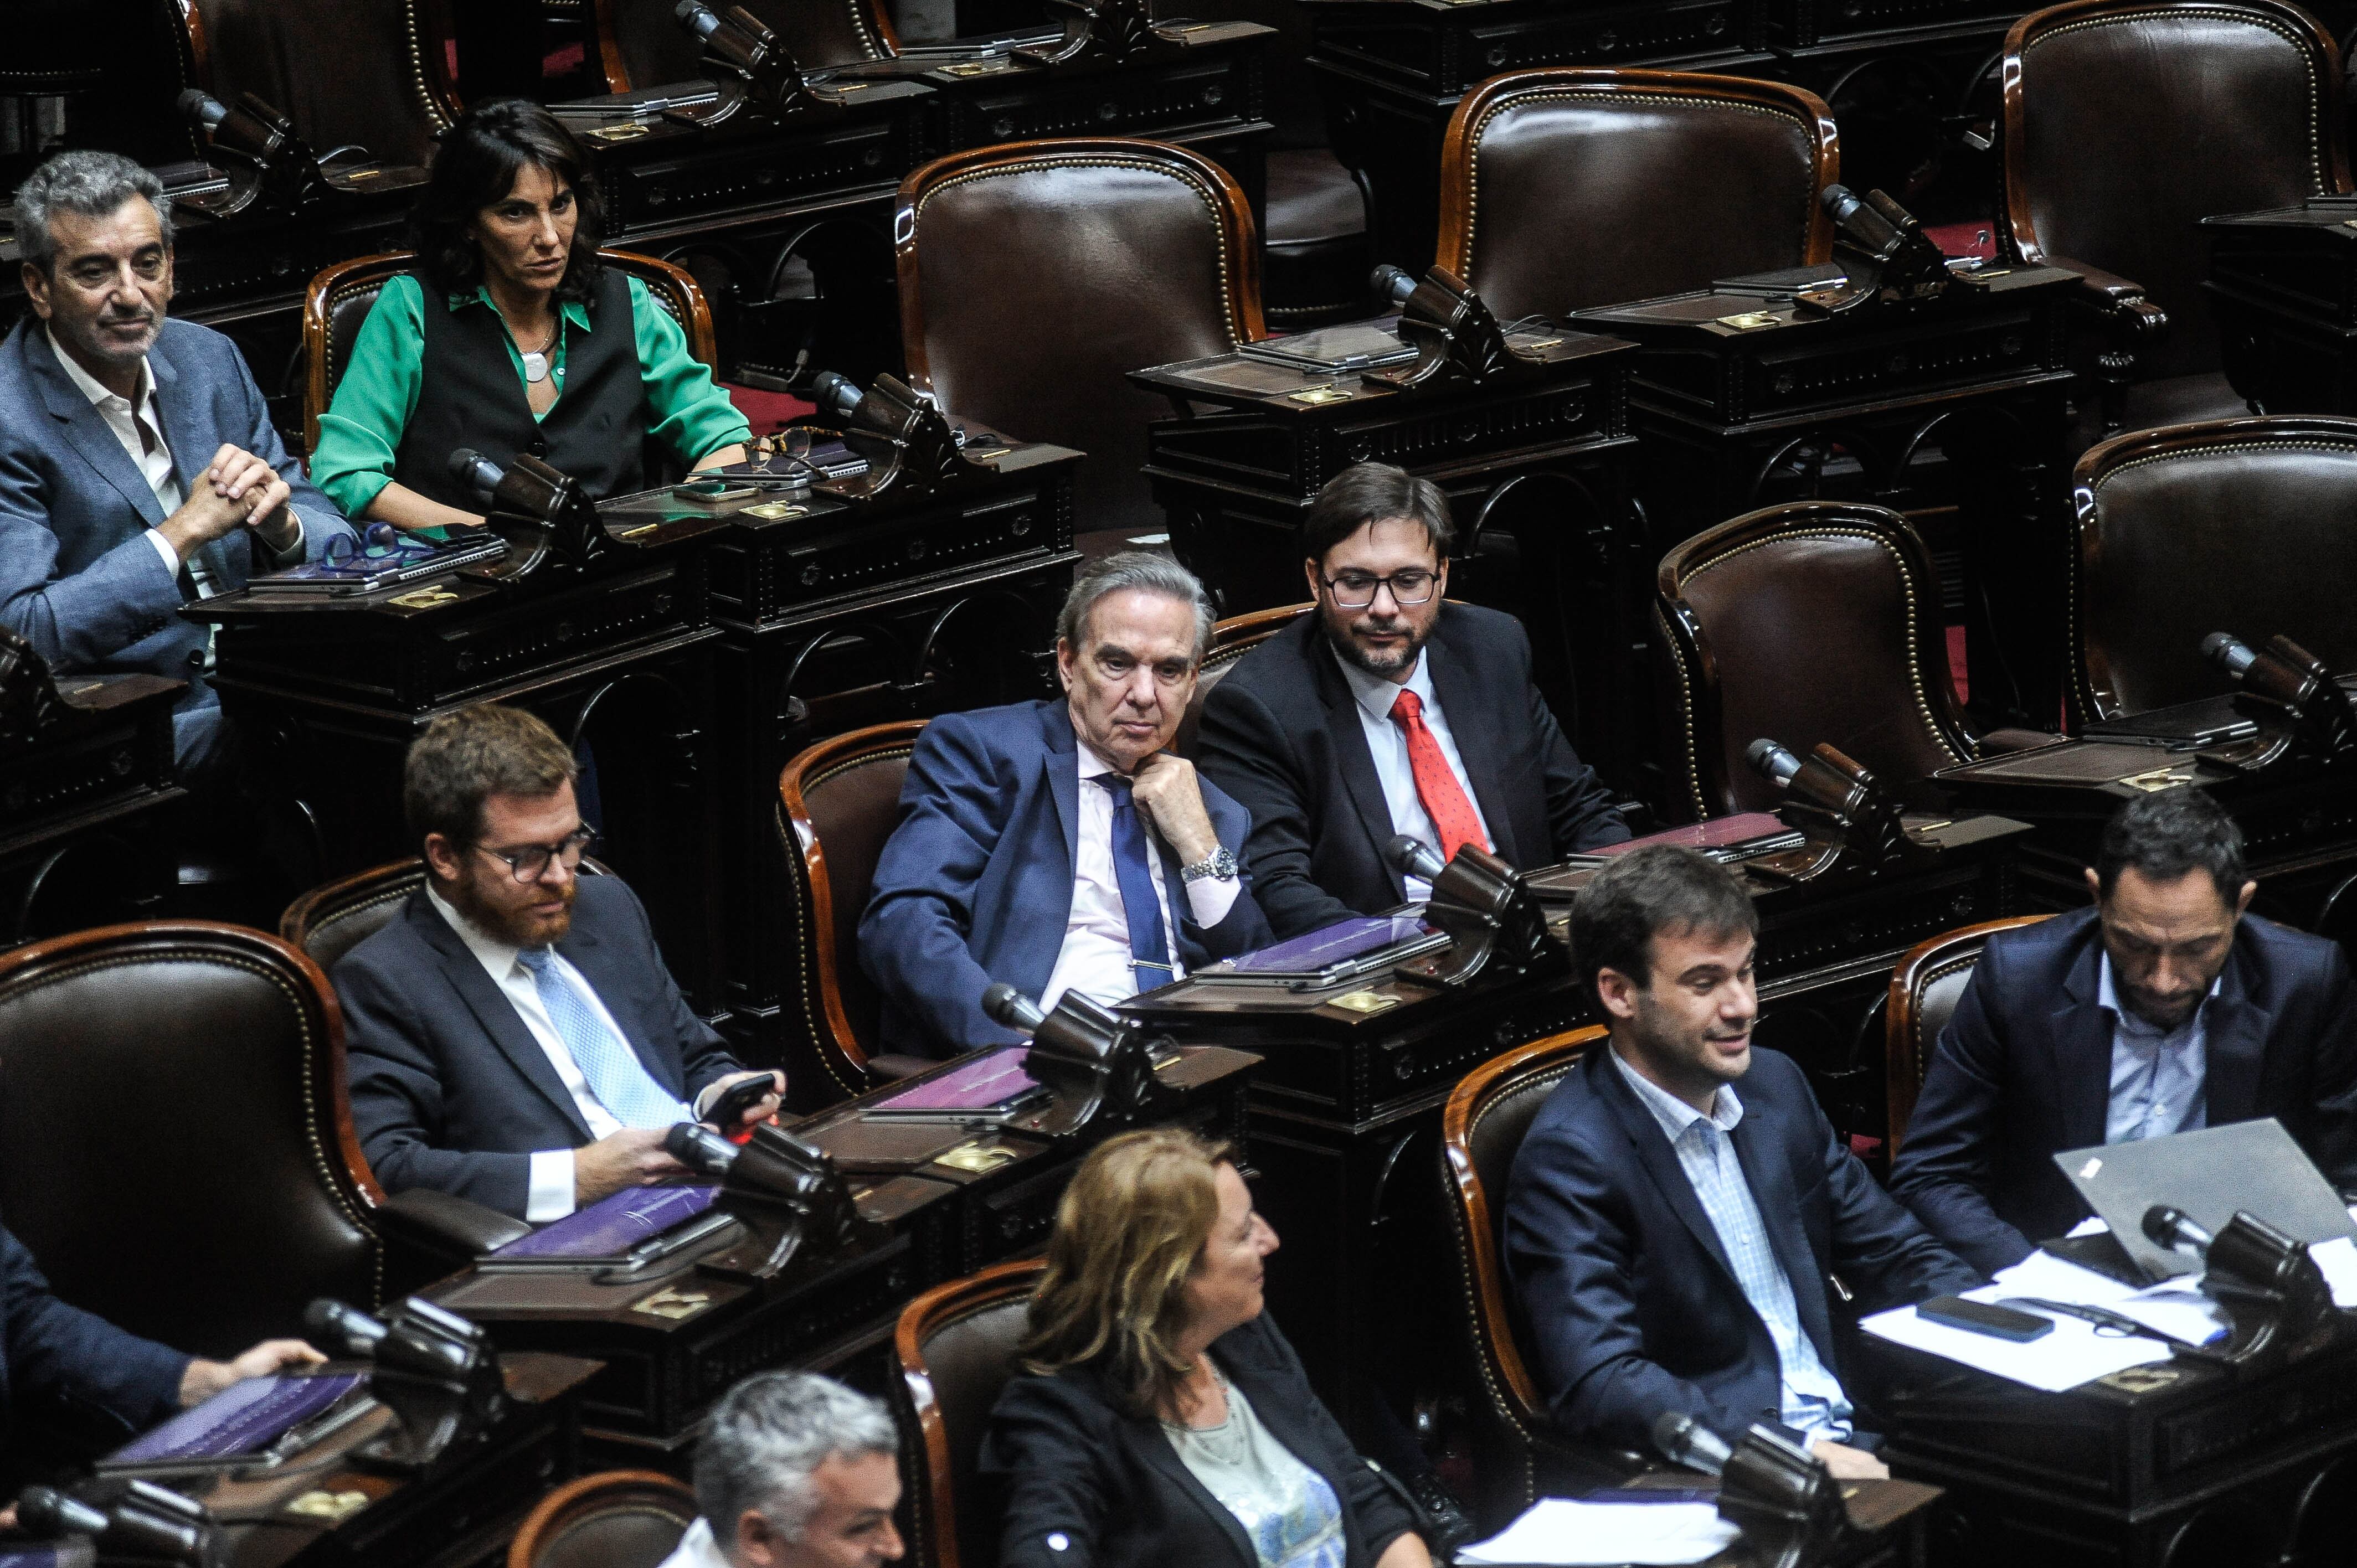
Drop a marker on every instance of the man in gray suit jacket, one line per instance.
(138, 466)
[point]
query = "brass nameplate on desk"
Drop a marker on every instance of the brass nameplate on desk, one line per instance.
(1363, 1002)
(2139, 1380)
(1318, 396)
(333, 1506)
(775, 511)
(639, 532)
(625, 133)
(978, 1158)
(673, 1304)
(977, 67)
(424, 598)
(2159, 778)
(1750, 320)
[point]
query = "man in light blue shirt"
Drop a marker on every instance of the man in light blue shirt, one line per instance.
(2160, 1077)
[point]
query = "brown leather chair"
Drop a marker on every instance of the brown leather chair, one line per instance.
(1318, 254)
(1566, 190)
(1924, 990)
(118, 64)
(2240, 525)
(2128, 122)
(1230, 641)
(619, 1518)
(1811, 622)
(642, 44)
(837, 803)
(339, 300)
(175, 1144)
(328, 922)
(364, 73)
(1518, 1456)
(1035, 276)
(955, 1345)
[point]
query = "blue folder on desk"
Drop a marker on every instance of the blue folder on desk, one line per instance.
(239, 1422)
(612, 1225)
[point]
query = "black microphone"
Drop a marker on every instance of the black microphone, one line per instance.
(1772, 762)
(347, 1326)
(700, 1149)
(1004, 1005)
(202, 107)
(1863, 223)
(2229, 653)
(835, 394)
(1682, 1440)
(1412, 857)
(45, 1510)
(702, 20)
(1392, 283)
(2168, 1226)
(478, 472)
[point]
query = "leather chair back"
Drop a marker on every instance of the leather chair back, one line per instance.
(1035, 276)
(955, 1345)
(338, 301)
(619, 1518)
(1565, 190)
(1230, 641)
(1482, 1128)
(175, 1144)
(328, 922)
(2128, 122)
(2240, 525)
(1812, 622)
(120, 62)
(641, 44)
(837, 803)
(365, 73)
(1924, 990)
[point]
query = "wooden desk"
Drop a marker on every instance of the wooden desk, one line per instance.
(1542, 466)
(2283, 289)
(82, 842)
(1345, 1112)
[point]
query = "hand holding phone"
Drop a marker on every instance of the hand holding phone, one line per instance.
(728, 1107)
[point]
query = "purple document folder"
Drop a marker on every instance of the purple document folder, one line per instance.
(986, 1084)
(1329, 945)
(612, 1225)
(244, 1418)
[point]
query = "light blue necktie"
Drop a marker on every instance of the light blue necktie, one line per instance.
(617, 1077)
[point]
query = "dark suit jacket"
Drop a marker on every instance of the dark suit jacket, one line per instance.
(451, 1091)
(77, 579)
(66, 1372)
(1064, 1459)
(976, 884)
(2024, 1070)
(1281, 733)
(1632, 1305)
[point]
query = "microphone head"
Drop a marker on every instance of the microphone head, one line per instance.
(478, 472)
(698, 18)
(1772, 761)
(1411, 856)
(1004, 1005)
(45, 1510)
(195, 104)
(700, 1149)
(2229, 652)
(836, 393)
(2166, 1225)
(1394, 283)
(1838, 200)
(1682, 1440)
(331, 1320)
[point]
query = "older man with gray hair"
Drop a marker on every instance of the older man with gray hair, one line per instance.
(794, 1471)
(138, 465)
(1059, 845)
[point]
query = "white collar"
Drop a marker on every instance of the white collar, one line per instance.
(497, 956)
(2106, 996)
(1674, 1114)
(90, 387)
(1376, 693)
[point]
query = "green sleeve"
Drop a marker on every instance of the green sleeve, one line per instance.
(361, 430)
(689, 412)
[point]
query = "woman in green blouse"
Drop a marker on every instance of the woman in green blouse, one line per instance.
(510, 338)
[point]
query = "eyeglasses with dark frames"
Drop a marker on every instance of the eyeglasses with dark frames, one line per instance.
(530, 863)
(1357, 590)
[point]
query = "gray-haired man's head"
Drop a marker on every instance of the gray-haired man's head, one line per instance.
(1128, 643)
(95, 232)
(797, 1471)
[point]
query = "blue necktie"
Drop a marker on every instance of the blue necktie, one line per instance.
(1149, 953)
(617, 1077)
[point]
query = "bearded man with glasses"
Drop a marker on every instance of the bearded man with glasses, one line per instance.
(1390, 711)
(516, 1038)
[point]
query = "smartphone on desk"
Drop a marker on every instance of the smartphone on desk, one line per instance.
(1981, 1317)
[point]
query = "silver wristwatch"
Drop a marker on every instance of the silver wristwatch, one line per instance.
(1222, 865)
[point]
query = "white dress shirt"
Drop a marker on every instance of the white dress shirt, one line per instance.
(697, 1548)
(1811, 1400)
(1388, 744)
(1096, 958)
(549, 1194)
(2160, 1078)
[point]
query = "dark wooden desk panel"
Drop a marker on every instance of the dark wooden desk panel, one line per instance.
(2283, 290)
(82, 839)
(1538, 475)
(1346, 1106)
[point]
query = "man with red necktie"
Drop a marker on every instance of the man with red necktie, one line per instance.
(1390, 711)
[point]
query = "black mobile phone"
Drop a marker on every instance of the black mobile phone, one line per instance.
(1980, 1318)
(728, 1107)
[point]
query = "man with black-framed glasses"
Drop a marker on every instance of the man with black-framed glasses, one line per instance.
(516, 1038)
(1390, 711)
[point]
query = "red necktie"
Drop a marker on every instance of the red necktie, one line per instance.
(1444, 800)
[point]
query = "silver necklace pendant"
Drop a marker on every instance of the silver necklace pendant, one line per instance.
(535, 366)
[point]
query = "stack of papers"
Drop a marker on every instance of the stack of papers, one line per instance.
(1562, 1531)
(2073, 1354)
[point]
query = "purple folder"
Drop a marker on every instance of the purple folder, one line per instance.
(244, 1418)
(612, 1225)
(1329, 945)
(983, 1085)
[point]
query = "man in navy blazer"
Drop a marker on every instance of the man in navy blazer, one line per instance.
(138, 465)
(1055, 845)
(1670, 1237)
(2163, 1009)
(1307, 730)
(516, 1038)
(70, 1380)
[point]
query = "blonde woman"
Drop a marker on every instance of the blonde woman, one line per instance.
(1165, 1420)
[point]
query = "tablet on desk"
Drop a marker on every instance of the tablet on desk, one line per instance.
(1332, 954)
(257, 1421)
(992, 1085)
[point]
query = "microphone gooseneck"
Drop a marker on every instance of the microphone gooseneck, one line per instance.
(45, 1510)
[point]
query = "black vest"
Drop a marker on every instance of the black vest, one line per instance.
(468, 395)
